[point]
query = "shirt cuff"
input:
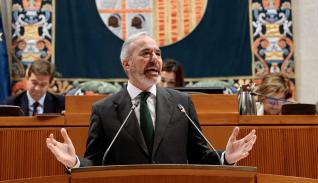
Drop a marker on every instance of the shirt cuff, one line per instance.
(77, 165)
(223, 160)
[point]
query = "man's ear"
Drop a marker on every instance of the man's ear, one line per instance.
(126, 64)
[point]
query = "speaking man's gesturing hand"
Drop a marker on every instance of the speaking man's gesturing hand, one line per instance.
(64, 152)
(239, 149)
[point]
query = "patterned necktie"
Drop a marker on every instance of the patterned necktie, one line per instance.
(146, 124)
(35, 105)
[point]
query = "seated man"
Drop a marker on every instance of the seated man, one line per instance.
(36, 99)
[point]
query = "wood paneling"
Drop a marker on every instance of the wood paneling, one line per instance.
(215, 103)
(286, 145)
(281, 150)
(32, 121)
(211, 108)
(279, 120)
(46, 179)
(207, 103)
(166, 174)
(79, 137)
(81, 104)
(23, 153)
(266, 178)
(285, 151)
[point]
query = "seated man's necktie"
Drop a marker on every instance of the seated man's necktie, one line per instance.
(146, 124)
(35, 106)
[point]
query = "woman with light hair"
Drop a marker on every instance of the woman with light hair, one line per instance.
(273, 92)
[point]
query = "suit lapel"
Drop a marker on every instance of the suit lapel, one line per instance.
(124, 106)
(47, 103)
(164, 108)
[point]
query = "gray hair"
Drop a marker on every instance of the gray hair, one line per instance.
(125, 49)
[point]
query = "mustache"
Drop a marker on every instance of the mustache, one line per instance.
(153, 67)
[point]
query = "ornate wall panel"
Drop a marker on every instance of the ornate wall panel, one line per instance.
(218, 54)
(32, 34)
(272, 32)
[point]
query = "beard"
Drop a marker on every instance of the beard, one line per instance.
(147, 77)
(141, 78)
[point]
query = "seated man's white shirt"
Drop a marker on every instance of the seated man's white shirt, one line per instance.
(40, 108)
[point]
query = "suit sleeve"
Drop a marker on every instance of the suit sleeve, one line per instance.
(96, 146)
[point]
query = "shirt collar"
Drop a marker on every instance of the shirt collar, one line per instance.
(133, 91)
(31, 100)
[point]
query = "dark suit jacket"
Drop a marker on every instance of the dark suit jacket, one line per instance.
(176, 141)
(52, 103)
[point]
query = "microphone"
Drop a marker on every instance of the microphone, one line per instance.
(181, 108)
(133, 107)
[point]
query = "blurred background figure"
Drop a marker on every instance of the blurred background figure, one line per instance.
(274, 91)
(171, 74)
(19, 87)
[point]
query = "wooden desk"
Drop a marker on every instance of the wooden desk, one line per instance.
(165, 174)
(211, 108)
(285, 150)
(215, 103)
(286, 145)
(23, 151)
(32, 121)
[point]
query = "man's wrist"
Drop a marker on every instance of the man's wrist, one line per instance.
(75, 165)
(75, 162)
(225, 162)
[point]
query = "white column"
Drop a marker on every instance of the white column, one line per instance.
(306, 40)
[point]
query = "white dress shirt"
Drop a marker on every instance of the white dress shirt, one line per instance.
(40, 108)
(260, 108)
(151, 100)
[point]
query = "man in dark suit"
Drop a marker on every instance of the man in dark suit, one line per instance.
(156, 132)
(36, 99)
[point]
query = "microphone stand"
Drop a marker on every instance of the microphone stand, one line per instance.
(115, 137)
(181, 108)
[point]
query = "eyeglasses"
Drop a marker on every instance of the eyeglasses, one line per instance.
(275, 101)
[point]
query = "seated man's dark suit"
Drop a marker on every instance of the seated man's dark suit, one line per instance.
(52, 103)
(176, 141)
